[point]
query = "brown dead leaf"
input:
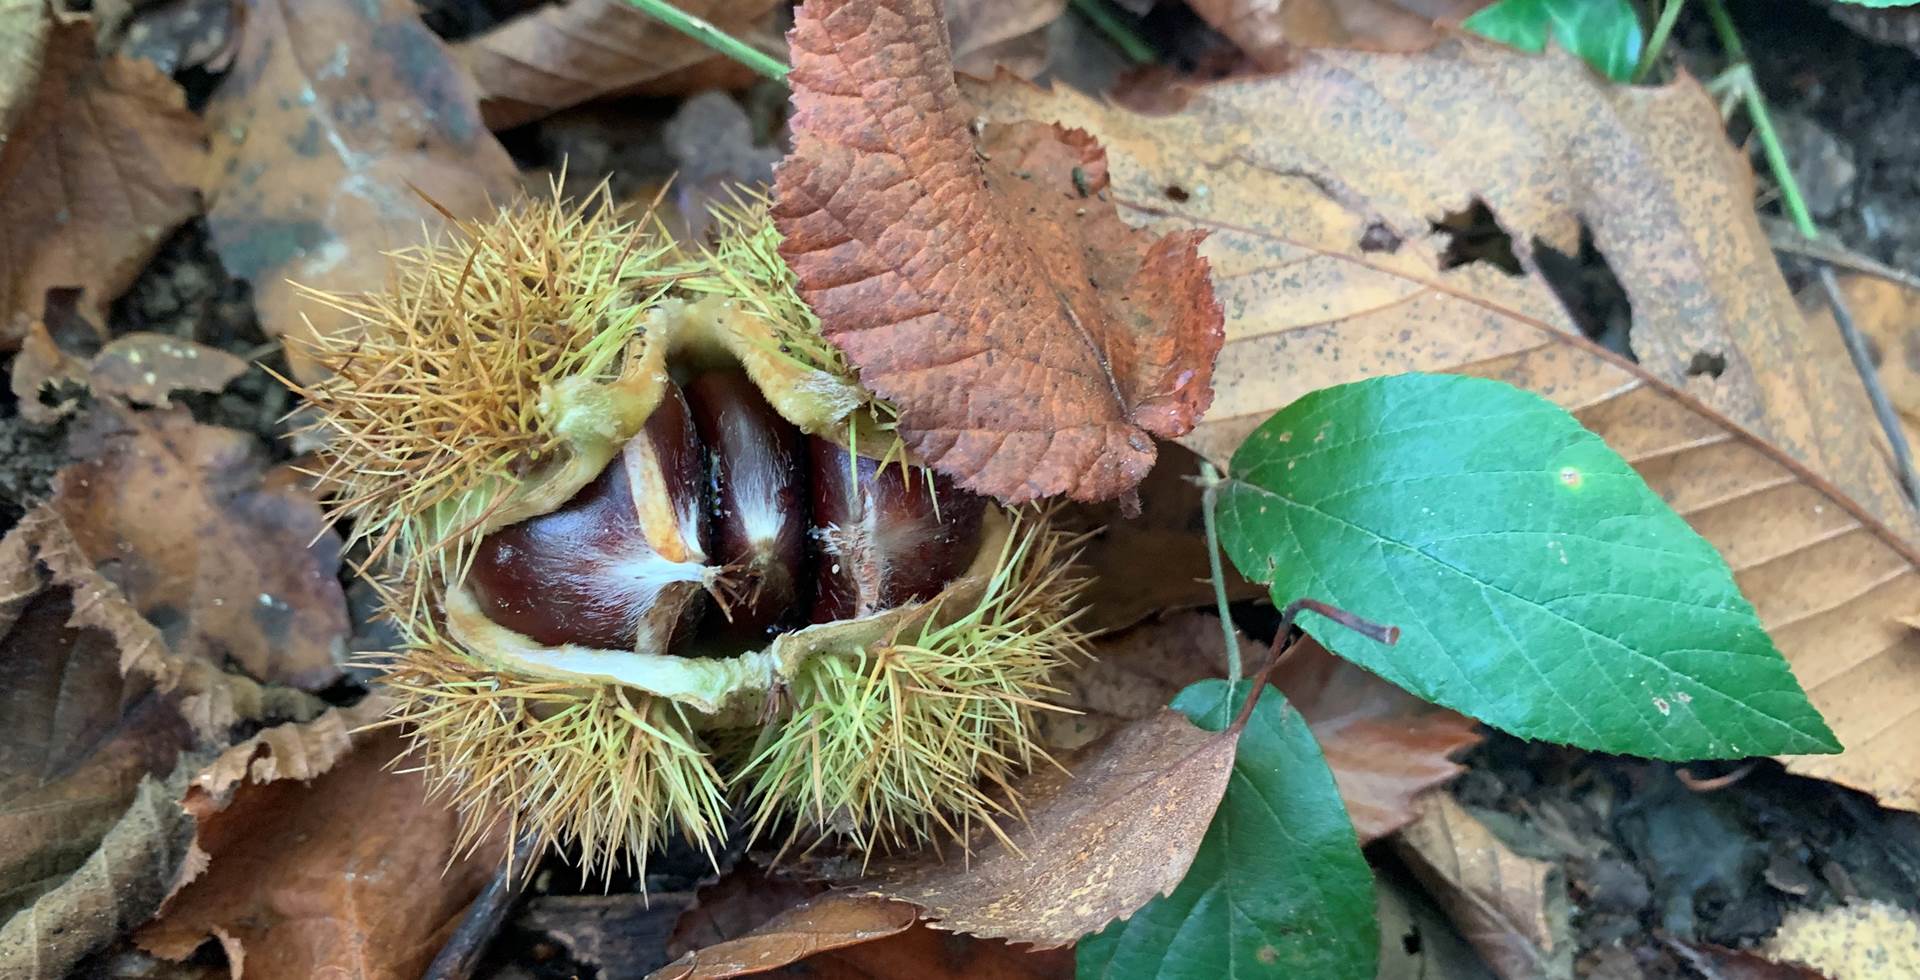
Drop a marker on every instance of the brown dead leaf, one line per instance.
(24, 26)
(1386, 747)
(337, 127)
(1887, 314)
(95, 172)
(989, 35)
(1721, 963)
(830, 921)
(1272, 32)
(925, 953)
(143, 368)
(1320, 186)
(1032, 342)
(1511, 908)
(1097, 843)
(559, 56)
(172, 512)
(619, 935)
(353, 873)
(735, 906)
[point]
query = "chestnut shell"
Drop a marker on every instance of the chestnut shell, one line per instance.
(759, 502)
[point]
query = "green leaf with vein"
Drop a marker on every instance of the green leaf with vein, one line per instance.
(1278, 888)
(1538, 583)
(1604, 33)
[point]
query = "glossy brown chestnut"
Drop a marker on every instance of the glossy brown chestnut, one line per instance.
(759, 503)
(621, 566)
(884, 535)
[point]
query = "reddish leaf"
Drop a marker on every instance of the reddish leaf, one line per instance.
(830, 921)
(1273, 31)
(1031, 340)
(737, 905)
(924, 953)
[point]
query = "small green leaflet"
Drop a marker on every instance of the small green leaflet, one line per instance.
(1278, 887)
(1604, 33)
(1538, 583)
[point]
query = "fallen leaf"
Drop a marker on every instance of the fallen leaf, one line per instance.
(172, 513)
(342, 129)
(94, 174)
(353, 873)
(1887, 314)
(1512, 909)
(1854, 941)
(830, 921)
(735, 906)
(1097, 843)
(619, 935)
(1721, 963)
(561, 55)
(1274, 31)
(143, 368)
(1386, 747)
(1031, 341)
(988, 35)
(925, 953)
(1326, 260)
(24, 26)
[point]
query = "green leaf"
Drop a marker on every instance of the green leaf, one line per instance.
(1538, 583)
(1278, 887)
(1881, 3)
(1604, 33)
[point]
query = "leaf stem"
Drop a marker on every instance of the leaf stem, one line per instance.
(1210, 479)
(713, 37)
(1135, 48)
(1657, 43)
(1279, 648)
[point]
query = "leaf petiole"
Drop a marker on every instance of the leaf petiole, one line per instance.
(713, 37)
(1210, 479)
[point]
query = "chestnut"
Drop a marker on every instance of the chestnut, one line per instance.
(621, 566)
(759, 503)
(884, 534)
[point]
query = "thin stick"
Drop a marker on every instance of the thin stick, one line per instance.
(1785, 238)
(1662, 29)
(1211, 480)
(1130, 44)
(1378, 632)
(1882, 405)
(713, 37)
(458, 959)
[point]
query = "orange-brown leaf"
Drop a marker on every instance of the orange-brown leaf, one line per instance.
(563, 54)
(99, 168)
(1272, 31)
(342, 130)
(1031, 341)
(830, 921)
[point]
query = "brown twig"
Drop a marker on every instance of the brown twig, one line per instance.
(1279, 648)
(458, 959)
(1870, 379)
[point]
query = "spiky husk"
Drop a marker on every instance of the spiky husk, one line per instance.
(890, 745)
(437, 390)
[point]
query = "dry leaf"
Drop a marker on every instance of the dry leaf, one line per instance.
(342, 129)
(1721, 963)
(830, 921)
(94, 174)
(143, 368)
(1511, 908)
(1887, 314)
(173, 514)
(622, 935)
(989, 35)
(924, 953)
(561, 55)
(1032, 342)
(24, 26)
(1273, 31)
(735, 906)
(353, 873)
(1855, 941)
(1097, 843)
(1386, 747)
(1320, 187)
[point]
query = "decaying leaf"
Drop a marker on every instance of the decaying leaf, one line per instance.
(1512, 909)
(735, 906)
(561, 55)
(1273, 31)
(1386, 748)
(1032, 342)
(1320, 187)
(1097, 843)
(95, 172)
(620, 935)
(24, 26)
(989, 35)
(173, 513)
(1721, 963)
(925, 953)
(1854, 941)
(342, 129)
(354, 873)
(143, 368)
(830, 921)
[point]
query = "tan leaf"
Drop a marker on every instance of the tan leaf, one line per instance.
(1097, 843)
(342, 129)
(172, 511)
(1386, 747)
(1511, 908)
(1887, 314)
(561, 55)
(354, 873)
(24, 26)
(1032, 342)
(829, 921)
(1320, 185)
(1272, 31)
(94, 174)
(989, 35)
(143, 368)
